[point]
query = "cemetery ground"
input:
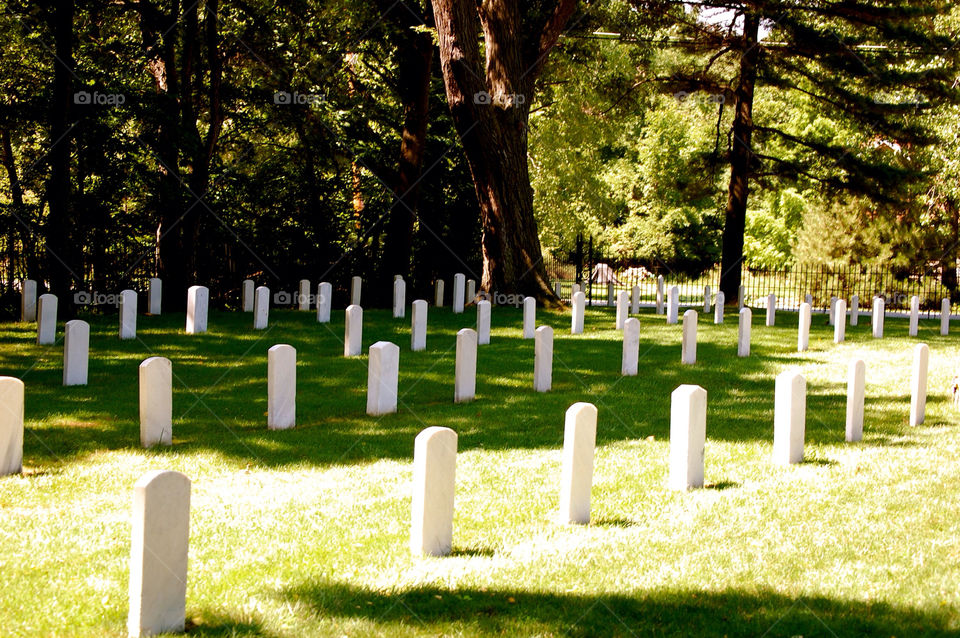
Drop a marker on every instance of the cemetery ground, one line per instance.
(305, 531)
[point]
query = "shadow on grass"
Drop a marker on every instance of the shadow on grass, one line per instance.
(438, 611)
(722, 485)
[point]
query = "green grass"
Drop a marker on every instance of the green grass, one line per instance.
(305, 532)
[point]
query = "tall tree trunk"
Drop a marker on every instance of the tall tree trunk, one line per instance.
(16, 194)
(741, 160)
(490, 106)
(59, 226)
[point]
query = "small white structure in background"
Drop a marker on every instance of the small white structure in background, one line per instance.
(324, 301)
(688, 436)
(465, 368)
(771, 310)
(438, 294)
(630, 361)
(832, 316)
(28, 300)
(47, 319)
(840, 323)
(156, 402)
(434, 472)
(635, 300)
(399, 298)
(383, 374)
(128, 315)
(856, 392)
(914, 315)
(741, 297)
(353, 331)
(688, 347)
(471, 294)
(529, 317)
(576, 473)
(790, 414)
(673, 305)
(610, 294)
(198, 303)
(576, 316)
(706, 300)
(11, 425)
(945, 316)
(459, 284)
(246, 295)
(660, 294)
(878, 312)
(743, 332)
(803, 327)
(718, 307)
(155, 296)
(918, 384)
(281, 387)
(543, 359)
(159, 547)
(854, 309)
(303, 295)
(76, 352)
(418, 325)
(261, 307)
(356, 287)
(483, 322)
(622, 309)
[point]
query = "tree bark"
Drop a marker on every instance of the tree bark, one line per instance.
(59, 227)
(16, 195)
(741, 160)
(490, 106)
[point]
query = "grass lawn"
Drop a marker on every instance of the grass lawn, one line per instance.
(305, 532)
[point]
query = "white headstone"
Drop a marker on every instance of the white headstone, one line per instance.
(76, 352)
(673, 305)
(483, 322)
(353, 331)
(809, 299)
(261, 307)
(529, 317)
(945, 316)
(688, 435)
(574, 289)
(11, 425)
(914, 315)
(576, 316)
(47, 319)
(556, 289)
(465, 375)
(789, 420)
(459, 283)
(356, 285)
(659, 294)
(611, 295)
(918, 384)
(303, 296)
(803, 327)
(383, 373)
(706, 300)
(246, 295)
(635, 300)
(399, 299)
(623, 308)
(831, 317)
(878, 312)
(743, 332)
(631, 347)
(198, 302)
(28, 300)
(854, 309)
(741, 296)
(718, 307)
(418, 326)
(438, 294)
(688, 346)
(128, 315)
(576, 473)
(771, 309)
(434, 471)
(156, 402)
(543, 359)
(840, 321)
(324, 301)
(471, 295)
(281, 387)
(155, 296)
(856, 392)
(159, 547)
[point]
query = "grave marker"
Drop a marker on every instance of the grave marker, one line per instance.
(543, 359)
(459, 283)
(303, 295)
(47, 319)
(914, 315)
(771, 310)
(324, 301)
(28, 300)
(803, 327)
(576, 317)
(76, 352)
(383, 372)
(128, 315)
(11, 425)
(718, 307)
(789, 421)
(356, 289)
(261, 307)
(635, 300)
(465, 375)
(353, 331)
(438, 294)
(840, 321)
(434, 471)
(918, 384)
(856, 383)
(198, 302)
(418, 326)
(529, 316)
(622, 309)
(673, 305)
(878, 313)
(854, 309)
(156, 402)
(743, 332)
(688, 347)
(945, 317)
(688, 435)
(281, 387)
(659, 294)
(706, 300)
(246, 295)
(630, 360)
(155, 296)
(576, 474)
(483, 322)
(399, 298)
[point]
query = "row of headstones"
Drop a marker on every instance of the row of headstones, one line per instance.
(30, 306)
(161, 510)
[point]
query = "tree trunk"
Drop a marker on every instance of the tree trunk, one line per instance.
(490, 108)
(741, 159)
(59, 224)
(16, 194)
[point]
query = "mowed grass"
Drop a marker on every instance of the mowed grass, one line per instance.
(305, 532)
